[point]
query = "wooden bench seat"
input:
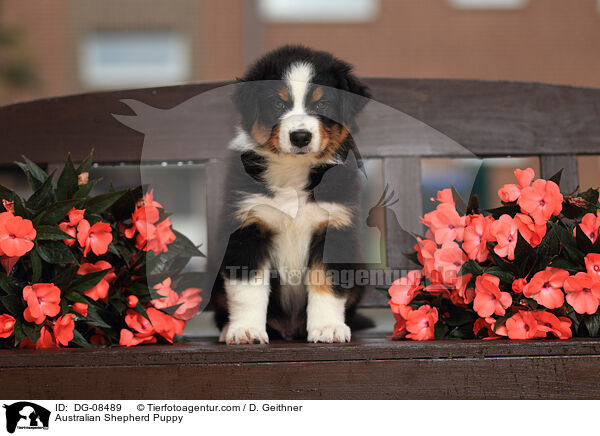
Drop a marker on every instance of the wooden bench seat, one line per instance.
(555, 123)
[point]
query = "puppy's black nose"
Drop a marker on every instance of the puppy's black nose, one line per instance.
(300, 138)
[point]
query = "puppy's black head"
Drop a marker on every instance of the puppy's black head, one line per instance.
(300, 101)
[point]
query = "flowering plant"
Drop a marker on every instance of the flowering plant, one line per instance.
(75, 267)
(527, 269)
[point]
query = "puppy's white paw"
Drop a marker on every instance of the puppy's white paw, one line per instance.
(245, 335)
(329, 334)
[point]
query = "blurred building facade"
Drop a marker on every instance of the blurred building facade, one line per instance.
(81, 45)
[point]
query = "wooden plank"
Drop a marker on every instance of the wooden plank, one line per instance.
(549, 377)
(209, 352)
(403, 175)
(551, 164)
(413, 116)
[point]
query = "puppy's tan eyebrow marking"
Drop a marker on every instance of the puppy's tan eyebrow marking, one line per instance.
(284, 94)
(317, 94)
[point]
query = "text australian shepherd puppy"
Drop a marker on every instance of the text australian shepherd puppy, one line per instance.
(297, 109)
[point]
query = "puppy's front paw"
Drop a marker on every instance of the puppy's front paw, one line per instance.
(329, 334)
(246, 335)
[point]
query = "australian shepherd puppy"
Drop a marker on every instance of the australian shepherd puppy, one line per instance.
(297, 107)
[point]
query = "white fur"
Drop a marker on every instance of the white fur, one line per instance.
(298, 78)
(325, 317)
(247, 303)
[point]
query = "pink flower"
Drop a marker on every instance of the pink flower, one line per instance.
(445, 223)
(80, 308)
(531, 232)
(16, 235)
(420, 323)
(489, 299)
(189, 301)
(7, 325)
(518, 285)
(511, 192)
(583, 293)
(169, 296)
(592, 265)
(403, 289)
(546, 287)
(541, 200)
(96, 238)
(476, 237)
(505, 232)
(100, 291)
(426, 249)
(445, 196)
(63, 329)
(589, 225)
(132, 301)
(448, 261)
(43, 299)
(522, 325)
(549, 323)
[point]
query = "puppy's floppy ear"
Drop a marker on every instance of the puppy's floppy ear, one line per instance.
(355, 95)
(245, 98)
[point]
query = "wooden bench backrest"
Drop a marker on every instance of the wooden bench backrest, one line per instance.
(553, 122)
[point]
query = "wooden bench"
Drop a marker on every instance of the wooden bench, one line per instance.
(461, 118)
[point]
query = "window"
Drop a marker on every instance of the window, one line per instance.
(111, 59)
(318, 10)
(489, 4)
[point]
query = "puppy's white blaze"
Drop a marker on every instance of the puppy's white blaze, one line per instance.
(325, 317)
(247, 303)
(298, 78)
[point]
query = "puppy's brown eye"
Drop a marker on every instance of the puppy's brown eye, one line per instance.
(279, 105)
(321, 105)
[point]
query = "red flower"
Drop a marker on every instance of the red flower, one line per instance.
(161, 239)
(7, 325)
(445, 196)
(522, 325)
(447, 262)
(583, 293)
(164, 324)
(129, 339)
(589, 225)
(476, 237)
(96, 238)
(403, 289)
(420, 323)
(445, 223)
(132, 301)
(399, 327)
(80, 308)
(16, 235)
(42, 300)
(9, 206)
(511, 192)
(541, 200)
(143, 331)
(489, 299)
(46, 340)
(8, 263)
(189, 301)
(100, 291)
(546, 287)
(426, 249)
(592, 265)
(63, 329)
(549, 323)
(530, 231)
(518, 285)
(505, 232)
(70, 228)
(169, 296)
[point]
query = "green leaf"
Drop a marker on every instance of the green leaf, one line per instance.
(508, 209)
(20, 209)
(55, 252)
(13, 304)
(556, 177)
(85, 166)
(55, 212)
(35, 175)
(440, 331)
(470, 267)
(503, 275)
(591, 196)
(413, 257)
(102, 202)
(36, 265)
(592, 324)
(125, 206)
(78, 339)
(51, 233)
(583, 242)
(43, 196)
(26, 330)
(67, 182)
(461, 206)
(84, 190)
(473, 206)
(10, 284)
(88, 281)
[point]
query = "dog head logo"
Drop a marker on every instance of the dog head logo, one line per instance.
(26, 415)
